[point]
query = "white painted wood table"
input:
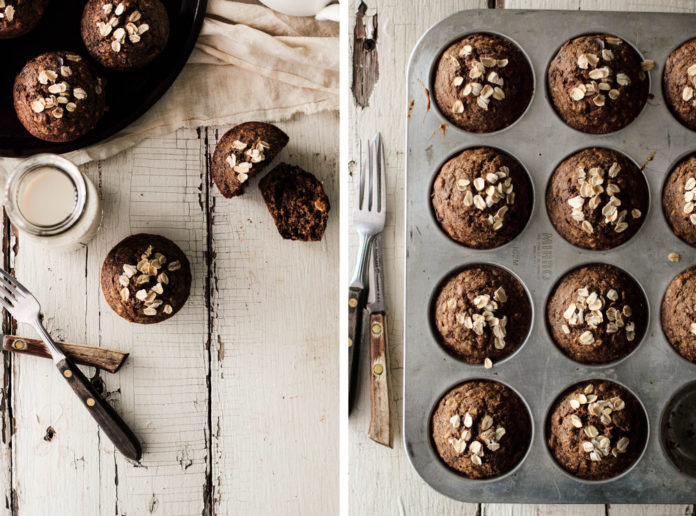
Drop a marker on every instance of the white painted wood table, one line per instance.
(382, 481)
(234, 398)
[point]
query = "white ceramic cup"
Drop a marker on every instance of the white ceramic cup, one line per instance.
(297, 7)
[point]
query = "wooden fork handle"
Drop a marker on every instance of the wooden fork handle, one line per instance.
(380, 383)
(104, 414)
(106, 359)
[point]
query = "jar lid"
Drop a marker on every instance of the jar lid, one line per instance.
(26, 167)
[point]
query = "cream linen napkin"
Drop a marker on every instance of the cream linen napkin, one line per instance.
(250, 63)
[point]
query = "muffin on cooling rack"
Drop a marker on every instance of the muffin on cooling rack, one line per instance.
(57, 97)
(483, 83)
(125, 34)
(597, 198)
(481, 429)
(598, 83)
(597, 314)
(596, 430)
(482, 198)
(482, 312)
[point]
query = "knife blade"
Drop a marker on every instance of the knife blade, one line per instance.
(380, 378)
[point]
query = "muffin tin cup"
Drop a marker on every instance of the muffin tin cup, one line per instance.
(538, 371)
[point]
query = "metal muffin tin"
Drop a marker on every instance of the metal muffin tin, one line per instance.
(539, 256)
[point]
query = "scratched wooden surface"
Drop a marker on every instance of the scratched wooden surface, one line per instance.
(234, 398)
(382, 481)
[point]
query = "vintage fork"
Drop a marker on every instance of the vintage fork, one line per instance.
(24, 307)
(369, 215)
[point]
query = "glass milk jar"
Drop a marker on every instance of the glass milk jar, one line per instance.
(52, 203)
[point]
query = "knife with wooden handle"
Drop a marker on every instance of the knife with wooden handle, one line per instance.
(380, 379)
(106, 359)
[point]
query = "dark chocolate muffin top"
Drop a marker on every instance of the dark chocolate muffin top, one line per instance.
(679, 83)
(483, 83)
(125, 34)
(598, 83)
(481, 429)
(146, 278)
(482, 198)
(597, 198)
(597, 314)
(482, 312)
(679, 199)
(678, 314)
(243, 152)
(57, 97)
(596, 430)
(17, 17)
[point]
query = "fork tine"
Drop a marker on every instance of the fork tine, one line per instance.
(382, 179)
(9, 287)
(359, 185)
(5, 304)
(368, 178)
(13, 283)
(374, 169)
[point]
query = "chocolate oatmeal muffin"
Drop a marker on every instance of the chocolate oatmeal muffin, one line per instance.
(597, 83)
(678, 314)
(146, 278)
(243, 152)
(597, 314)
(482, 198)
(57, 97)
(597, 198)
(125, 34)
(481, 429)
(482, 312)
(17, 17)
(679, 83)
(596, 430)
(483, 83)
(297, 202)
(679, 198)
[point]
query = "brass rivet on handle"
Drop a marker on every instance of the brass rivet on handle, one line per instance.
(90, 402)
(352, 302)
(19, 344)
(378, 369)
(67, 373)
(350, 342)
(376, 329)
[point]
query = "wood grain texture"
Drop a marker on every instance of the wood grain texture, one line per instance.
(398, 488)
(107, 359)
(274, 369)
(272, 390)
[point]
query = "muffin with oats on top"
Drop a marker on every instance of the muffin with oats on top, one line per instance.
(597, 198)
(482, 198)
(146, 278)
(598, 83)
(483, 83)
(481, 429)
(125, 34)
(596, 430)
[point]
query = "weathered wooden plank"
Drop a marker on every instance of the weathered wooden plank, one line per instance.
(62, 462)
(162, 390)
(382, 481)
(274, 373)
(7, 423)
(506, 509)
